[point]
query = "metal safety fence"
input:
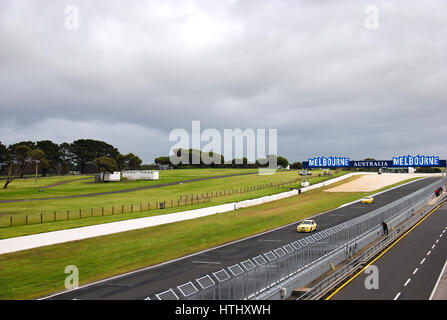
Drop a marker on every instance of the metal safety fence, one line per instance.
(323, 287)
(255, 277)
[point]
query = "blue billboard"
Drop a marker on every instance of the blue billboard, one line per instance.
(397, 162)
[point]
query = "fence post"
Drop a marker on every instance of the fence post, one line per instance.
(55, 216)
(68, 214)
(131, 208)
(80, 213)
(41, 218)
(102, 211)
(122, 209)
(26, 220)
(10, 222)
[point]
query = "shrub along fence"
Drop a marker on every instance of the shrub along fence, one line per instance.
(185, 200)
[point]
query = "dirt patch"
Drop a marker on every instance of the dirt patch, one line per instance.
(368, 183)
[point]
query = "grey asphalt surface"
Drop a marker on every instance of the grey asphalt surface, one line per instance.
(410, 269)
(147, 282)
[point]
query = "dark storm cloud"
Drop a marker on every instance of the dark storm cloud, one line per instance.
(310, 69)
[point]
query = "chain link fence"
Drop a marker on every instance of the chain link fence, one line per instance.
(255, 277)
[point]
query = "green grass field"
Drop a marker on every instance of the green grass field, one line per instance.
(37, 272)
(28, 188)
(114, 202)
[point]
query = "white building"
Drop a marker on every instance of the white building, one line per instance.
(108, 177)
(140, 175)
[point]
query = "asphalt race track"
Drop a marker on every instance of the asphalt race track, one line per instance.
(146, 282)
(410, 269)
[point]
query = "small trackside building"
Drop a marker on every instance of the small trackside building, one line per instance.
(108, 176)
(140, 175)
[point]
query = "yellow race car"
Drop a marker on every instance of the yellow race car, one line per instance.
(368, 199)
(307, 226)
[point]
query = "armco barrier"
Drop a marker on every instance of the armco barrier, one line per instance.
(323, 287)
(258, 201)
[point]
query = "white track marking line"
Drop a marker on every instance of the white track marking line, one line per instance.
(422, 261)
(437, 241)
(428, 253)
(433, 246)
(205, 262)
(439, 280)
(408, 281)
(397, 296)
(415, 270)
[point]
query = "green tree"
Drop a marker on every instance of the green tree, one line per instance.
(105, 164)
(133, 162)
(29, 144)
(37, 156)
(121, 162)
(195, 159)
(44, 166)
(52, 154)
(3, 156)
(65, 158)
(281, 161)
(296, 165)
(162, 161)
(85, 151)
(18, 162)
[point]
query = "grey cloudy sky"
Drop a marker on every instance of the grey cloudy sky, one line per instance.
(135, 70)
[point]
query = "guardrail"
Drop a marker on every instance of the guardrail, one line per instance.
(325, 286)
(261, 276)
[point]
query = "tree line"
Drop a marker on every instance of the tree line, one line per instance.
(193, 158)
(46, 157)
